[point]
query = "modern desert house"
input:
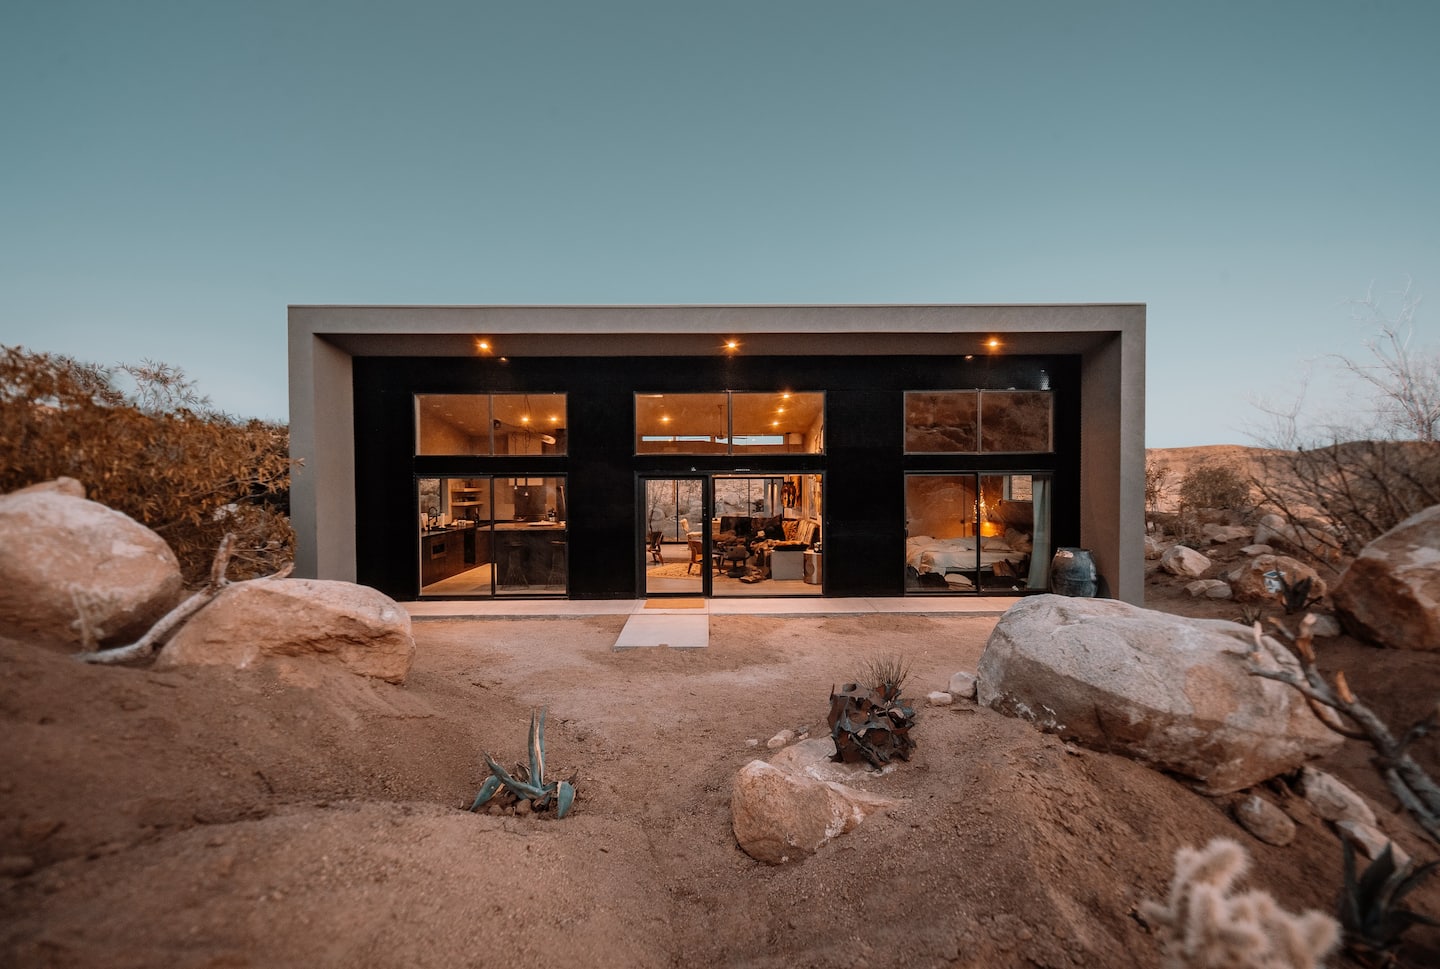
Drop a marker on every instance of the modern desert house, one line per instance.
(621, 452)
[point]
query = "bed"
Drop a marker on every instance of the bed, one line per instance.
(954, 559)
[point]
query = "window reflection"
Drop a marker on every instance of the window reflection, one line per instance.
(975, 421)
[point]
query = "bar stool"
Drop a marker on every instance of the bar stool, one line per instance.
(556, 575)
(514, 571)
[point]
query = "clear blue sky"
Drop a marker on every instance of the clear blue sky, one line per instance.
(175, 174)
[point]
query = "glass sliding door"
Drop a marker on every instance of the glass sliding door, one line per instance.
(766, 535)
(977, 533)
(491, 536)
(731, 535)
(674, 549)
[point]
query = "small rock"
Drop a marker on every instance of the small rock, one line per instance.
(780, 739)
(1219, 534)
(1207, 588)
(1370, 840)
(752, 742)
(939, 698)
(523, 807)
(962, 685)
(1326, 626)
(1179, 560)
(1331, 799)
(1254, 550)
(1265, 821)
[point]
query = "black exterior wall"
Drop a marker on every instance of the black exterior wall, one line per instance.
(864, 463)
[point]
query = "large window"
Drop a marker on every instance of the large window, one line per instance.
(984, 533)
(729, 423)
(487, 424)
(978, 421)
(492, 536)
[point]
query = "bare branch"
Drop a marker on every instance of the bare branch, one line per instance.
(1407, 780)
(156, 636)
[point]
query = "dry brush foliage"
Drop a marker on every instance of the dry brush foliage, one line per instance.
(156, 451)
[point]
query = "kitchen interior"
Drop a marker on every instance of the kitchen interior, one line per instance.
(501, 535)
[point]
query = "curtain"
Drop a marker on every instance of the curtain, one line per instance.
(1040, 540)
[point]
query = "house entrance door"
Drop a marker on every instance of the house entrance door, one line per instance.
(674, 545)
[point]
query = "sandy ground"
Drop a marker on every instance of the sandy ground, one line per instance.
(207, 818)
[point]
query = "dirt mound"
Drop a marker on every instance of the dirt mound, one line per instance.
(213, 818)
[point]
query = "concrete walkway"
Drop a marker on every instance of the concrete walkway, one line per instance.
(651, 623)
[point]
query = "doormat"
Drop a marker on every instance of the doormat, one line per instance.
(674, 603)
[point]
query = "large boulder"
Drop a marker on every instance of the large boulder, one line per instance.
(294, 623)
(74, 571)
(1168, 691)
(1390, 594)
(1249, 584)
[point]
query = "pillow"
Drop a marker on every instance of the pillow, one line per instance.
(919, 540)
(995, 545)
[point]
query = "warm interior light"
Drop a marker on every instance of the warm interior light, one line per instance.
(732, 344)
(664, 420)
(482, 345)
(993, 343)
(525, 419)
(991, 529)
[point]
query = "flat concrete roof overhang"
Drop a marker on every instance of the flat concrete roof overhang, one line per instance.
(1108, 337)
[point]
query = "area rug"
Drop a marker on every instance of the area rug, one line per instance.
(676, 570)
(674, 603)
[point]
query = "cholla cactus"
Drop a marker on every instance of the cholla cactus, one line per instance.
(1202, 925)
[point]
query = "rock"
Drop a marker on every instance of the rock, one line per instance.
(1210, 588)
(815, 759)
(1253, 550)
(1370, 840)
(1265, 821)
(1168, 691)
(1331, 799)
(780, 817)
(289, 623)
(780, 739)
(1179, 560)
(60, 486)
(1154, 548)
(1219, 534)
(63, 557)
(938, 698)
(962, 686)
(1314, 539)
(1390, 594)
(1248, 580)
(1326, 626)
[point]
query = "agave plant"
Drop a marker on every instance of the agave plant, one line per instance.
(528, 784)
(1370, 911)
(1295, 598)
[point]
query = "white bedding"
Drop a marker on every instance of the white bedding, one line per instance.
(925, 554)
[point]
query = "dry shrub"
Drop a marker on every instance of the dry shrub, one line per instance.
(1348, 494)
(143, 442)
(1216, 486)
